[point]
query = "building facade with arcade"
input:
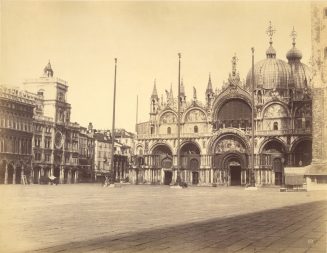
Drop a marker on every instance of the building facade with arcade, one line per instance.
(215, 135)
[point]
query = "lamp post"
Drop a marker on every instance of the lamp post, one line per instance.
(178, 179)
(113, 128)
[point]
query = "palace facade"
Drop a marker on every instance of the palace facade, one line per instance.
(16, 134)
(215, 144)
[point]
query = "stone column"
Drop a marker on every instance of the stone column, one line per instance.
(14, 176)
(62, 175)
(22, 174)
(6, 174)
(76, 176)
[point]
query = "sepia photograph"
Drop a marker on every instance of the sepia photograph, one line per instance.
(163, 126)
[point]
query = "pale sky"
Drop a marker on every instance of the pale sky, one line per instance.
(81, 39)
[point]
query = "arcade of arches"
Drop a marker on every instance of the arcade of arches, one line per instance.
(160, 167)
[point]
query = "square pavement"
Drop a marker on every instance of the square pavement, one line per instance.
(144, 218)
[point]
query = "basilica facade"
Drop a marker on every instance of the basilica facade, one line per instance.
(215, 135)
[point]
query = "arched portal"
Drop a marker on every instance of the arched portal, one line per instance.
(302, 153)
(190, 162)
(234, 113)
(233, 163)
(230, 160)
(163, 158)
(277, 152)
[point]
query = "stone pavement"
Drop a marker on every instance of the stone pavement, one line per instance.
(89, 218)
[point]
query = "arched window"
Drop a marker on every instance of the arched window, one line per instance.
(152, 130)
(325, 53)
(168, 130)
(196, 129)
(325, 13)
(275, 125)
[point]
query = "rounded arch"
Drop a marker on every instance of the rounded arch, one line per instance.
(233, 157)
(273, 144)
(228, 133)
(273, 112)
(139, 149)
(189, 117)
(190, 147)
(302, 151)
(161, 148)
(235, 103)
(221, 100)
(167, 117)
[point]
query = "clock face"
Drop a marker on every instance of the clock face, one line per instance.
(58, 139)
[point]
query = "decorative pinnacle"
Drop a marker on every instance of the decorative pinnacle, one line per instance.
(270, 32)
(234, 61)
(115, 60)
(179, 55)
(293, 35)
(252, 49)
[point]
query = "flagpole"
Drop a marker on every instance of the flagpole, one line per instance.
(252, 118)
(113, 126)
(178, 179)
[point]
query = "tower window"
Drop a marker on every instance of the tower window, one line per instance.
(196, 129)
(152, 130)
(325, 12)
(275, 125)
(168, 130)
(325, 53)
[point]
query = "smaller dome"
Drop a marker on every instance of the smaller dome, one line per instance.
(271, 52)
(294, 54)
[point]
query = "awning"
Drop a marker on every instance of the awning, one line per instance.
(294, 175)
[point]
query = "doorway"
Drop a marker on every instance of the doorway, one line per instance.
(168, 177)
(195, 177)
(235, 175)
(278, 178)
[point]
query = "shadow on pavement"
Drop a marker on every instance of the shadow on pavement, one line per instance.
(299, 228)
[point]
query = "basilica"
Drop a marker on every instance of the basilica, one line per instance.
(216, 133)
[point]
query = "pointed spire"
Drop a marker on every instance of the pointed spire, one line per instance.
(48, 72)
(154, 92)
(171, 91)
(209, 87)
(271, 52)
(182, 89)
(293, 35)
(234, 62)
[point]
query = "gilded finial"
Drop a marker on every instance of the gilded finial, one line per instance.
(293, 35)
(270, 32)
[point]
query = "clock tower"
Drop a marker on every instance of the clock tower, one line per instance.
(53, 93)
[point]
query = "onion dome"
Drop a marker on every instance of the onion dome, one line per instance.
(300, 73)
(270, 73)
(293, 54)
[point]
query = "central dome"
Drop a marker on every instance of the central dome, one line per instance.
(270, 73)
